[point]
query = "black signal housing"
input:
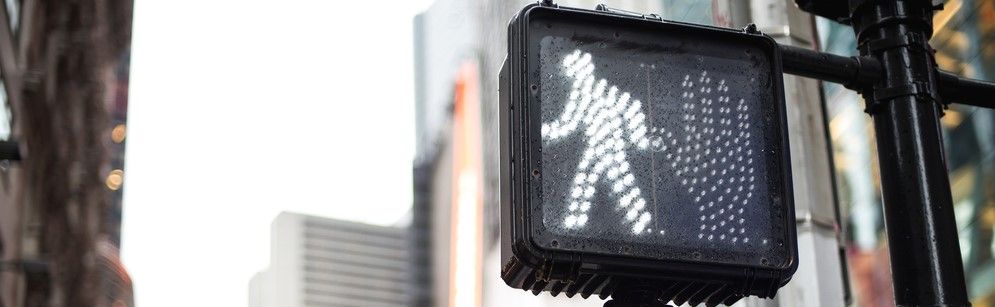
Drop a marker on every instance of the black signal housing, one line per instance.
(675, 250)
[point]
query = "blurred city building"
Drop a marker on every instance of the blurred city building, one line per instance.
(63, 106)
(317, 261)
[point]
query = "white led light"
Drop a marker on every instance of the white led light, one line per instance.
(614, 123)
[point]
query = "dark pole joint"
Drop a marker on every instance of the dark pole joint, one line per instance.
(918, 89)
(869, 16)
(856, 72)
(881, 44)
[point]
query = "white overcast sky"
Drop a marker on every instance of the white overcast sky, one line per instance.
(241, 109)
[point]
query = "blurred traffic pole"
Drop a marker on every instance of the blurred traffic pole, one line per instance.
(62, 69)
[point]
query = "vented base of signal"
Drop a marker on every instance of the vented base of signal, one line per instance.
(537, 280)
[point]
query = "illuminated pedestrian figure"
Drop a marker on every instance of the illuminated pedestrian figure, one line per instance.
(610, 121)
(709, 153)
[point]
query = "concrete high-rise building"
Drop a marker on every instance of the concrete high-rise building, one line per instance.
(317, 261)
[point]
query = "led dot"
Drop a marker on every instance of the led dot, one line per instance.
(745, 240)
(570, 221)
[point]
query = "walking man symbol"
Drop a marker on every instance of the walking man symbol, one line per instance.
(712, 157)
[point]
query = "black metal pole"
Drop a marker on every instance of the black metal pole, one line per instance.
(922, 234)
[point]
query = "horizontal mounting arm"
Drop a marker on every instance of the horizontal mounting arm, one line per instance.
(859, 72)
(957, 89)
(854, 72)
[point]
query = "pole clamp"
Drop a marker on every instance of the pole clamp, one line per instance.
(908, 40)
(918, 88)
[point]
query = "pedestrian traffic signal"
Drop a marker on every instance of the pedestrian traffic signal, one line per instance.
(638, 152)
